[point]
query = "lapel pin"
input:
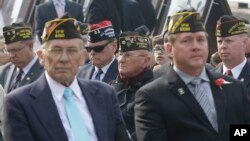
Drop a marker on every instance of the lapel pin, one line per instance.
(28, 78)
(181, 91)
(242, 79)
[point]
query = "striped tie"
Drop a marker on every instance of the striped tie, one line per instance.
(17, 81)
(200, 92)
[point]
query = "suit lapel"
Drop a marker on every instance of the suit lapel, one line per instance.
(245, 75)
(219, 101)
(67, 7)
(96, 104)
(9, 74)
(89, 71)
(180, 90)
(52, 11)
(46, 110)
(112, 72)
(219, 69)
(33, 73)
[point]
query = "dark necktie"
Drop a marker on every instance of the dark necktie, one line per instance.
(18, 80)
(229, 73)
(98, 75)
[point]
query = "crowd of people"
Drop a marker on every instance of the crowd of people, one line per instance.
(95, 81)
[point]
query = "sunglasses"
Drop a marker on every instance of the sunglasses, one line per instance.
(247, 55)
(97, 48)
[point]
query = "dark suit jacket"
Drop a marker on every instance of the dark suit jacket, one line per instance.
(7, 70)
(136, 13)
(47, 11)
(165, 110)
(88, 69)
(162, 70)
(244, 75)
(126, 96)
(100, 10)
(30, 113)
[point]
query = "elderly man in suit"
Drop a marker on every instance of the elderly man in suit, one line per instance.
(189, 103)
(55, 8)
(24, 67)
(231, 34)
(58, 106)
(101, 47)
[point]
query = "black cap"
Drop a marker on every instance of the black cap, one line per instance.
(184, 21)
(64, 27)
(101, 31)
(17, 32)
(129, 41)
(230, 25)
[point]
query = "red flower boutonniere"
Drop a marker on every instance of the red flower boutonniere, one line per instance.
(220, 82)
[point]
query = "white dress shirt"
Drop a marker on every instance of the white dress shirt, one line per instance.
(57, 91)
(236, 70)
(104, 70)
(26, 69)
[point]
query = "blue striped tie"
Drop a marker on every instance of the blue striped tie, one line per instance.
(200, 92)
(75, 119)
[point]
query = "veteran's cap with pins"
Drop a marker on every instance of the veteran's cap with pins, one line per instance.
(101, 31)
(129, 41)
(184, 21)
(229, 25)
(64, 27)
(17, 32)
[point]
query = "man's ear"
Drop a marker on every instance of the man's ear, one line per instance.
(114, 46)
(40, 56)
(84, 56)
(245, 42)
(169, 49)
(148, 58)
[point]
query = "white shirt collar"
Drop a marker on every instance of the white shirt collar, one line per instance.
(187, 78)
(105, 68)
(55, 2)
(29, 66)
(237, 69)
(57, 89)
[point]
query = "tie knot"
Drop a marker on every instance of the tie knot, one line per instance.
(20, 71)
(99, 71)
(98, 75)
(67, 93)
(195, 81)
(229, 73)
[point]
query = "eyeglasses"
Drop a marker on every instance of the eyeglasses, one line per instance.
(247, 55)
(16, 50)
(129, 55)
(97, 48)
(56, 51)
(161, 49)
